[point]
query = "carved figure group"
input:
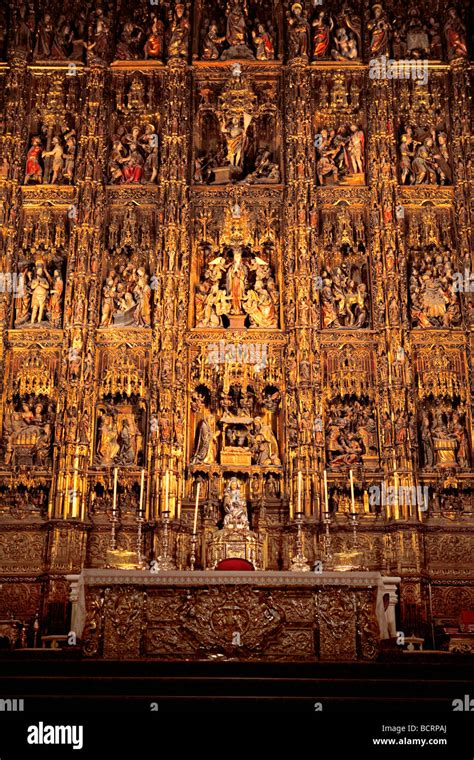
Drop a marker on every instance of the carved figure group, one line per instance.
(351, 434)
(344, 298)
(237, 284)
(434, 302)
(444, 440)
(40, 297)
(340, 155)
(338, 38)
(416, 35)
(126, 298)
(27, 432)
(238, 41)
(424, 158)
(54, 166)
(134, 157)
(118, 438)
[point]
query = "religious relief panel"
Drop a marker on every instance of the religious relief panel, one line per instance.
(443, 409)
(336, 33)
(418, 31)
(319, 34)
(127, 288)
(352, 438)
(238, 132)
(134, 145)
(339, 128)
(53, 125)
(29, 411)
(236, 417)
(239, 29)
(350, 418)
(424, 155)
(121, 412)
(344, 282)
(415, 31)
(156, 31)
(236, 284)
(141, 32)
(41, 268)
(433, 272)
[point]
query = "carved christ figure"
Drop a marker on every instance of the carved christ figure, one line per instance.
(236, 281)
(236, 137)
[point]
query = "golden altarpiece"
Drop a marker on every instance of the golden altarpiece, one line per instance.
(235, 258)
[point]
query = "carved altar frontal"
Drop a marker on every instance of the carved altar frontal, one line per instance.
(266, 616)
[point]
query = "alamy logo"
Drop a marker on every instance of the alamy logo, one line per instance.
(463, 282)
(390, 496)
(383, 68)
(463, 705)
(12, 705)
(238, 353)
(42, 734)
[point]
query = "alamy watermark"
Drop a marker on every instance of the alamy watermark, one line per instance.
(224, 352)
(12, 705)
(12, 282)
(463, 282)
(387, 68)
(389, 496)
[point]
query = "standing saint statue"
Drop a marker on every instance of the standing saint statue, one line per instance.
(236, 281)
(108, 446)
(205, 450)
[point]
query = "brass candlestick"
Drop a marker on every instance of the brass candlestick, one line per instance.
(327, 538)
(353, 517)
(299, 563)
(140, 521)
(163, 562)
(113, 531)
(192, 558)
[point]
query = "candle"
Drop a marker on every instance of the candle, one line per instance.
(300, 482)
(196, 509)
(167, 489)
(114, 503)
(66, 494)
(396, 503)
(142, 484)
(326, 500)
(74, 488)
(352, 490)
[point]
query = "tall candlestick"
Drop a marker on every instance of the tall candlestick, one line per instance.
(142, 488)
(114, 503)
(352, 490)
(196, 509)
(300, 483)
(326, 499)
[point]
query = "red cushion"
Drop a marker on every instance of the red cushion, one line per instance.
(234, 564)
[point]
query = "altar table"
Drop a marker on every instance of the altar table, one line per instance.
(265, 616)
